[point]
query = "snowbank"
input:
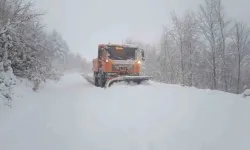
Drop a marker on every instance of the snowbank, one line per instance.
(246, 93)
(72, 114)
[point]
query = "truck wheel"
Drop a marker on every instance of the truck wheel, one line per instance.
(100, 82)
(103, 82)
(96, 81)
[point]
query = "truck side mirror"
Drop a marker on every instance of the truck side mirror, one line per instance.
(142, 54)
(108, 50)
(99, 53)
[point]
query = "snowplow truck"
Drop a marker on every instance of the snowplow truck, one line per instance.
(117, 63)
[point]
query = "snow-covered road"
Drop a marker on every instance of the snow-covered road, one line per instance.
(75, 115)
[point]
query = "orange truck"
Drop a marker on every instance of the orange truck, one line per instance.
(117, 63)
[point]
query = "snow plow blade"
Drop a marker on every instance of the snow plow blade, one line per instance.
(135, 79)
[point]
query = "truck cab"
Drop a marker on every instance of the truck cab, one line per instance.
(117, 60)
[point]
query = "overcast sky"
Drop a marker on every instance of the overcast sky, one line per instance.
(86, 23)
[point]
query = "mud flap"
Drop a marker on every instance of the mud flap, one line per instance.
(135, 79)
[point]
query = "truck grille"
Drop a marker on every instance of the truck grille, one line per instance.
(118, 67)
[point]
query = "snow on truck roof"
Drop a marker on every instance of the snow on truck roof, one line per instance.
(120, 45)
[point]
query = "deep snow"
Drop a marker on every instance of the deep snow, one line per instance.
(74, 115)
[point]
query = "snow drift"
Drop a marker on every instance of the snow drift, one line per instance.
(74, 115)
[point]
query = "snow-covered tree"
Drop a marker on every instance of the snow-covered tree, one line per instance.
(202, 49)
(240, 47)
(26, 50)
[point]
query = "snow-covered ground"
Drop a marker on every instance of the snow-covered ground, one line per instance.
(74, 115)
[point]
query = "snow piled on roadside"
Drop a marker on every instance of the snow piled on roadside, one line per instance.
(74, 115)
(160, 116)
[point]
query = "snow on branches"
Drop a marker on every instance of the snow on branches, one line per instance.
(202, 49)
(26, 50)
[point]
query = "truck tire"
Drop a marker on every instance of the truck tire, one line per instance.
(100, 82)
(96, 81)
(103, 82)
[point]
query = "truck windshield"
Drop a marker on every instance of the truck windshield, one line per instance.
(121, 53)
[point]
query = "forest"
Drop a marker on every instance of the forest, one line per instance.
(203, 49)
(28, 50)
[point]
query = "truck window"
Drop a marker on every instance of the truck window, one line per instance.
(119, 53)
